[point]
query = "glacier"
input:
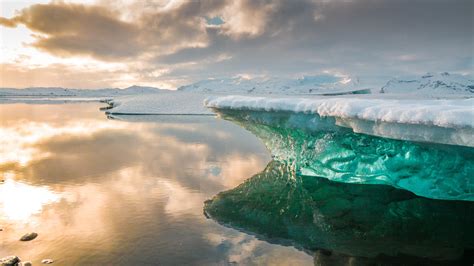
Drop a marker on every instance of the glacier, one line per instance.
(365, 141)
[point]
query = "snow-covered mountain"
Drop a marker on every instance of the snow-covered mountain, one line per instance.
(322, 84)
(442, 83)
(427, 85)
(65, 92)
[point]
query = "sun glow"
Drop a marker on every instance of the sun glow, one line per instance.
(19, 201)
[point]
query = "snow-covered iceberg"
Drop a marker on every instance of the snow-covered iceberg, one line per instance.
(445, 121)
(426, 147)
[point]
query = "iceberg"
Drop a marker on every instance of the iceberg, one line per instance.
(425, 147)
(375, 224)
(446, 121)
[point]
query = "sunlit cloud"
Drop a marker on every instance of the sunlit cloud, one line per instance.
(246, 18)
(171, 43)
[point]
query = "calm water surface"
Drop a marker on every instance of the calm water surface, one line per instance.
(197, 190)
(105, 192)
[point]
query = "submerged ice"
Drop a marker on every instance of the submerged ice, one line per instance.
(318, 146)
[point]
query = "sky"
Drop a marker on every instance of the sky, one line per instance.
(169, 43)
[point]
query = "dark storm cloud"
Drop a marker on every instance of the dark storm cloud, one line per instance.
(368, 38)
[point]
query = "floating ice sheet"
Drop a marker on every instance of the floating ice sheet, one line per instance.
(169, 103)
(319, 146)
(447, 121)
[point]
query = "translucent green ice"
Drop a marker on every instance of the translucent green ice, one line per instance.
(344, 223)
(316, 146)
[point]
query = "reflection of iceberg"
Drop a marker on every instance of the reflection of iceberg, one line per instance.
(318, 146)
(372, 221)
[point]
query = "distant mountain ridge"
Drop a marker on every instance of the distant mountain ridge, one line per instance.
(66, 92)
(437, 83)
(429, 84)
(305, 85)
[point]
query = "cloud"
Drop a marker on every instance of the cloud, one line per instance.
(13, 75)
(246, 17)
(370, 39)
(8, 22)
(69, 29)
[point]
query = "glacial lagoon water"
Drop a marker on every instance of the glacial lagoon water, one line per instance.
(197, 190)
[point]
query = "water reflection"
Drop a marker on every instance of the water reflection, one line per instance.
(347, 223)
(20, 137)
(18, 201)
(123, 192)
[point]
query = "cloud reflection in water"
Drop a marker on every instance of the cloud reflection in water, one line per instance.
(121, 192)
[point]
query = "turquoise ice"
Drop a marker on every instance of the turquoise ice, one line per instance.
(318, 146)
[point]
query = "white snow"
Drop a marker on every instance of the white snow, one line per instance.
(428, 84)
(171, 103)
(83, 93)
(322, 84)
(50, 99)
(432, 83)
(446, 121)
(451, 113)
